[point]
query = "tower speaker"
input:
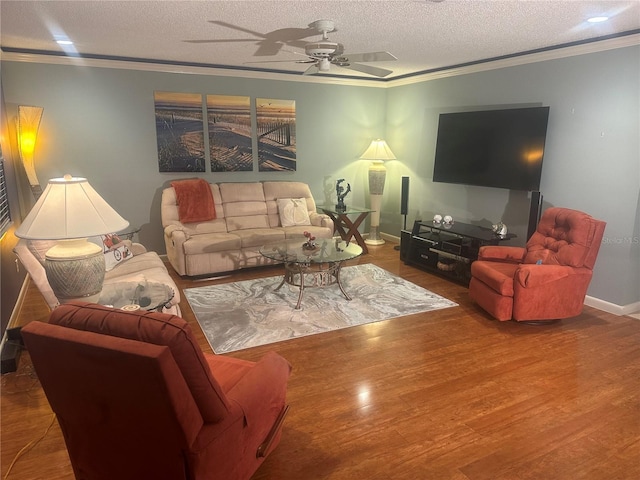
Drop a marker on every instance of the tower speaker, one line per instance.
(534, 213)
(404, 196)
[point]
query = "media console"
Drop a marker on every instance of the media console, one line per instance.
(447, 250)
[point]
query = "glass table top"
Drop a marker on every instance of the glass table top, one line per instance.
(349, 209)
(146, 295)
(328, 250)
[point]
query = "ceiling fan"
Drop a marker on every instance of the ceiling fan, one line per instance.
(269, 43)
(324, 53)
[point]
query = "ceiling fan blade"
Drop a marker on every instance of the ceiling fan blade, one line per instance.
(311, 70)
(270, 43)
(375, 71)
(281, 61)
(370, 57)
(224, 40)
(267, 48)
(276, 61)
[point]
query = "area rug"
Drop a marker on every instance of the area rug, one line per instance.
(240, 315)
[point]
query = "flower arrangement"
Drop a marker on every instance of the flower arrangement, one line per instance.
(310, 244)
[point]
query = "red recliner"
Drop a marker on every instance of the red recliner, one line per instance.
(136, 398)
(547, 279)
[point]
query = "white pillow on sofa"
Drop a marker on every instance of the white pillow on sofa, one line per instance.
(293, 211)
(115, 250)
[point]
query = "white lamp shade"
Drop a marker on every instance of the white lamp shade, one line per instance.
(378, 151)
(70, 208)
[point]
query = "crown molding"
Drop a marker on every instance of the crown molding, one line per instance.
(522, 59)
(150, 66)
(551, 53)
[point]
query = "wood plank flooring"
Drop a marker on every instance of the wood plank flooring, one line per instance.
(449, 395)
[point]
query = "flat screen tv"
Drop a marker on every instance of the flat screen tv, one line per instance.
(492, 148)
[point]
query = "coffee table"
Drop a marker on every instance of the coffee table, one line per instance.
(312, 268)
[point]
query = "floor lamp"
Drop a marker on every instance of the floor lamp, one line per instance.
(377, 153)
(69, 211)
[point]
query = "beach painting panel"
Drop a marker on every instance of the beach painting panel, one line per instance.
(180, 132)
(276, 130)
(229, 122)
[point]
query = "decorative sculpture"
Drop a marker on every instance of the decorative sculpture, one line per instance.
(499, 229)
(341, 192)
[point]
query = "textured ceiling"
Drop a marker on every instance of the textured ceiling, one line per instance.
(423, 35)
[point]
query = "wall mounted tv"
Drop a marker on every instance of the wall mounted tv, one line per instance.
(492, 148)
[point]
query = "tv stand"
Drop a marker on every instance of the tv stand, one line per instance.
(449, 250)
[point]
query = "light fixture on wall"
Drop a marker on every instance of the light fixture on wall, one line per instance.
(28, 123)
(70, 210)
(377, 153)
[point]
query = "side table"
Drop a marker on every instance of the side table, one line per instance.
(344, 226)
(128, 233)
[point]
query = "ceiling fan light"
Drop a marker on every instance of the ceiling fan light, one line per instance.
(324, 64)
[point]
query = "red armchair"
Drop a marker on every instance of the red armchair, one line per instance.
(136, 398)
(547, 279)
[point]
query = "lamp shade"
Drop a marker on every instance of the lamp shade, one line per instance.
(70, 208)
(378, 151)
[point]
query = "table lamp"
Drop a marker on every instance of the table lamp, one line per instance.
(377, 153)
(70, 210)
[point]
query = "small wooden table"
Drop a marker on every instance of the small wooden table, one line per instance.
(344, 226)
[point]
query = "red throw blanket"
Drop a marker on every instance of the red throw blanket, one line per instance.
(195, 202)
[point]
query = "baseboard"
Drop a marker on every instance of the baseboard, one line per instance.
(612, 307)
(391, 238)
(10, 349)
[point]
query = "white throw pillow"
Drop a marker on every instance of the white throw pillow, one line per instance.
(293, 211)
(115, 250)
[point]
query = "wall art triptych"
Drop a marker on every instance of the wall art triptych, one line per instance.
(180, 128)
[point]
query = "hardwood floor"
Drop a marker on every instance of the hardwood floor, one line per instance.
(449, 394)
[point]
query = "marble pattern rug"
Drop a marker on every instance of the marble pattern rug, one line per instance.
(240, 315)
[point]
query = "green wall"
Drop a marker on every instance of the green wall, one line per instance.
(591, 161)
(99, 123)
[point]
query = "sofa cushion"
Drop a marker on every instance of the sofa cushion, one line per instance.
(212, 242)
(241, 192)
(159, 329)
(219, 225)
(497, 276)
(247, 222)
(260, 236)
(29, 257)
(298, 231)
(293, 211)
(563, 237)
(146, 266)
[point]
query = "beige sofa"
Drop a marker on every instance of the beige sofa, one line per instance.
(141, 266)
(247, 217)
